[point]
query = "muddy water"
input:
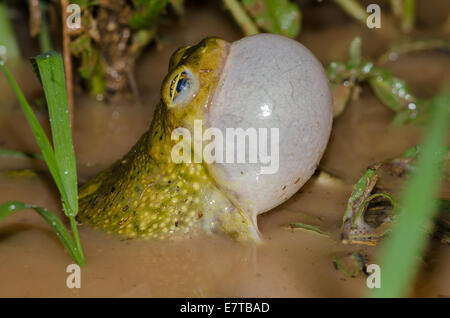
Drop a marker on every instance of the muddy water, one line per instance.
(291, 264)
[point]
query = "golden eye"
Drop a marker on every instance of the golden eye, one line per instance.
(181, 88)
(178, 85)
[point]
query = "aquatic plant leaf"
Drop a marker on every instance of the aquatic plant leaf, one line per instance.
(307, 227)
(22, 173)
(341, 97)
(90, 68)
(412, 152)
(51, 72)
(406, 46)
(355, 228)
(351, 264)
(11, 207)
(275, 16)
(354, 9)
(364, 184)
(38, 132)
(355, 52)
(398, 259)
(392, 91)
(19, 154)
(147, 13)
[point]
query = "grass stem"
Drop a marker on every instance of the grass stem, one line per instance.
(9, 49)
(242, 18)
(45, 41)
(67, 60)
(354, 9)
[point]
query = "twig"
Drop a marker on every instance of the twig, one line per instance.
(67, 60)
(241, 17)
(35, 17)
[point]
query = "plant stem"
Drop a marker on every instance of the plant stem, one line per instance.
(240, 15)
(76, 236)
(7, 37)
(353, 9)
(409, 15)
(397, 8)
(67, 60)
(44, 34)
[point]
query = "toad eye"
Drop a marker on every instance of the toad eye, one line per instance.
(182, 87)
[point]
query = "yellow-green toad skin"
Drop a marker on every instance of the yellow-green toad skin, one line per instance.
(146, 194)
(261, 84)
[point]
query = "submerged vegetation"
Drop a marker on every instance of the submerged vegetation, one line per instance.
(105, 50)
(346, 78)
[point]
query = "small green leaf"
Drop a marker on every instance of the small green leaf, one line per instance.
(307, 227)
(355, 52)
(412, 152)
(147, 13)
(351, 264)
(275, 16)
(11, 207)
(51, 72)
(392, 91)
(357, 196)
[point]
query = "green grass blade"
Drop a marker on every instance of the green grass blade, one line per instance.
(7, 36)
(11, 207)
(51, 73)
(409, 15)
(399, 256)
(39, 134)
(45, 40)
(19, 154)
(307, 227)
(354, 9)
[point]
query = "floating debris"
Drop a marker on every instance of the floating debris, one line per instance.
(307, 227)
